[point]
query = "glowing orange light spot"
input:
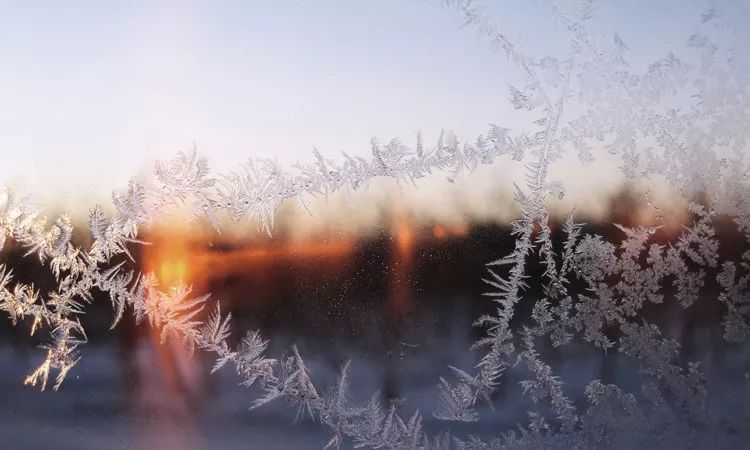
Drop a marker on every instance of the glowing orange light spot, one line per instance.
(444, 231)
(404, 236)
(402, 259)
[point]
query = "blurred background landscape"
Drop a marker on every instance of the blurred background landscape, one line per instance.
(398, 297)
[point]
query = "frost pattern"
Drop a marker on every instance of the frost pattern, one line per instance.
(593, 290)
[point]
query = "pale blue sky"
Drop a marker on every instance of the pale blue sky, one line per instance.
(93, 92)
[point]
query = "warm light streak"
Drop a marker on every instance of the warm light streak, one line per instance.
(402, 260)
